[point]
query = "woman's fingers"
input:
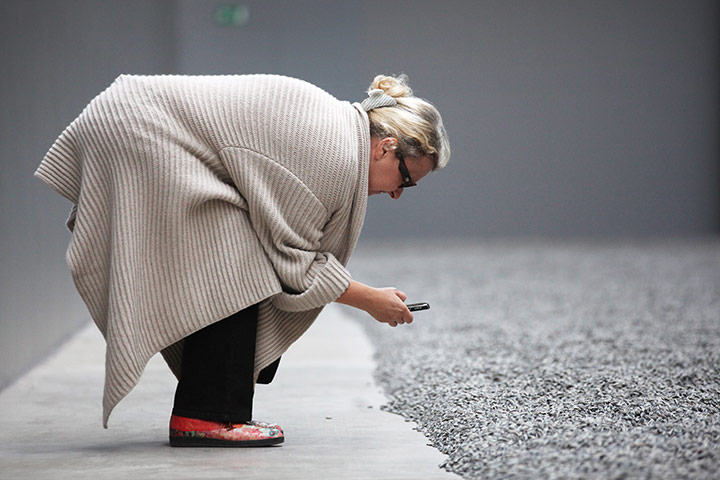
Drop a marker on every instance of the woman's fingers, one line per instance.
(390, 307)
(402, 321)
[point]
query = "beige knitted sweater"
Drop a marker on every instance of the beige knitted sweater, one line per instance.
(196, 197)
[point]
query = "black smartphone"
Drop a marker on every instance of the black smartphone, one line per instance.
(414, 307)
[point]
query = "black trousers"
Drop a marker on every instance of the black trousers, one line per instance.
(216, 376)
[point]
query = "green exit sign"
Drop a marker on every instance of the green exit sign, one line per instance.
(232, 15)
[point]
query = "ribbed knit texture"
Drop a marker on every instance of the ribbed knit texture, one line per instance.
(196, 197)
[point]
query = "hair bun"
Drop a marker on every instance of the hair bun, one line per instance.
(415, 123)
(393, 86)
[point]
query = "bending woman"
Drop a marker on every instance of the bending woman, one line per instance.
(212, 220)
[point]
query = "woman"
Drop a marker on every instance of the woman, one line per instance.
(212, 220)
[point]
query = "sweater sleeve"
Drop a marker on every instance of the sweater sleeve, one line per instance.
(288, 220)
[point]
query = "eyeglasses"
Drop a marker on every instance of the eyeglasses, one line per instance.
(407, 181)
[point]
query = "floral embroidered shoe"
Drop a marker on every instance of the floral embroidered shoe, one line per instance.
(190, 432)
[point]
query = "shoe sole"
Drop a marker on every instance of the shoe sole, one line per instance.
(217, 442)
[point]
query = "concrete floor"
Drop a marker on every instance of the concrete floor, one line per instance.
(323, 396)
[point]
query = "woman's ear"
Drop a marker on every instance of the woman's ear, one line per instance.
(377, 148)
(388, 144)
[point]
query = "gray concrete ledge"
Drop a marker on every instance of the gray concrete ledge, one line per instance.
(323, 396)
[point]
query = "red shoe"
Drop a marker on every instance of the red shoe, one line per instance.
(190, 432)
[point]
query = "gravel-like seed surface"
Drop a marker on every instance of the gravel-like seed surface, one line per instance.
(556, 360)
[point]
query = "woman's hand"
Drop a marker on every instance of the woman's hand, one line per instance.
(386, 305)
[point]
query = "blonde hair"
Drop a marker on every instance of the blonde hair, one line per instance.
(414, 122)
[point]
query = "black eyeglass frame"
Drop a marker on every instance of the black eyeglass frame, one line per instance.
(407, 181)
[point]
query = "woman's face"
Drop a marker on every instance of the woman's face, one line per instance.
(384, 175)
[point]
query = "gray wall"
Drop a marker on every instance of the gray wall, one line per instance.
(568, 118)
(55, 57)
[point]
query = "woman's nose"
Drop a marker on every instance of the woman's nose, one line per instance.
(395, 194)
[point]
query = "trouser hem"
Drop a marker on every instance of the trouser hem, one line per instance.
(223, 417)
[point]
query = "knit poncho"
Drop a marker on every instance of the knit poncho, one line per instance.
(196, 197)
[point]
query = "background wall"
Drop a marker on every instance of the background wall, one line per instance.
(55, 57)
(567, 118)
